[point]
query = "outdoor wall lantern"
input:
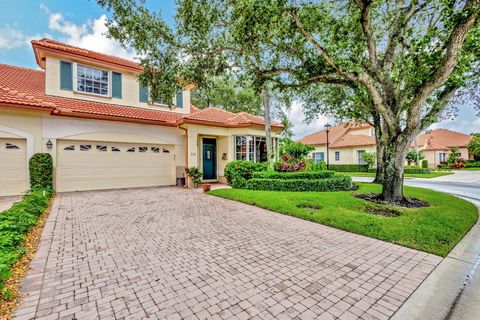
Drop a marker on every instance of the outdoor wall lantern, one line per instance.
(49, 144)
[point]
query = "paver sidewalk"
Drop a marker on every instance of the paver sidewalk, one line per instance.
(171, 253)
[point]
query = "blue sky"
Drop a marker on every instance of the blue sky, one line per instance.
(81, 23)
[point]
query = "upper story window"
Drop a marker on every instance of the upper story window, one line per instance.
(92, 80)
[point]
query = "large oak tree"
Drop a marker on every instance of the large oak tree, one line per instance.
(403, 59)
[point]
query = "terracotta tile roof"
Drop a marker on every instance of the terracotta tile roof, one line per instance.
(443, 138)
(53, 45)
(350, 140)
(222, 117)
(25, 87)
(430, 145)
(339, 136)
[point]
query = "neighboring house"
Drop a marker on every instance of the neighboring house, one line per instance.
(348, 140)
(90, 113)
(436, 145)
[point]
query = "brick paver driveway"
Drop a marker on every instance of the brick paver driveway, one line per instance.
(174, 253)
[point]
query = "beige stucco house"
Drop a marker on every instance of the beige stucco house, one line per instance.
(348, 140)
(90, 113)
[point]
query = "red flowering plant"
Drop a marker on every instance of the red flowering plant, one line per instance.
(293, 155)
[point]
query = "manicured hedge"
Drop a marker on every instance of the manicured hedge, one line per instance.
(293, 175)
(348, 167)
(41, 170)
(243, 169)
(14, 224)
(417, 170)
(336, 183)
(410, 170)
(472, 164)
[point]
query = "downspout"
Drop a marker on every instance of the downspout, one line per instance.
(186, 153)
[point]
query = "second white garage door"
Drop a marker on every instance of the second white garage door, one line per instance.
(92, 165)
(13, 166)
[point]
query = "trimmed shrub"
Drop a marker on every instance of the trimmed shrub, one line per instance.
(243, 169)
(41, 170)
(410, 170)
(349, 167)
(425, 164)
(472, 164)
(416, 170)
(336, 183)
(293, 175)
(319, 166)
(14, 224)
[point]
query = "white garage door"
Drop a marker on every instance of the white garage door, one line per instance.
(13, 166)
(93, 165)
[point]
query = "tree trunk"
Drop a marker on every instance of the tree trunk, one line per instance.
(379, 172)
(268, 134)
(379, 148)
(393, 165)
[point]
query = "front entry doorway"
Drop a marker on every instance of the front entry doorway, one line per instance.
(209, 158)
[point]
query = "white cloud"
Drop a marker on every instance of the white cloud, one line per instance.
(300, 126)
(12, 38)
(89, 35)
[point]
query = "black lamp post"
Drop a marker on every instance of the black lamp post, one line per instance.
(327, 130)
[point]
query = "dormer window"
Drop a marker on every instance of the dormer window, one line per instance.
(93, 80)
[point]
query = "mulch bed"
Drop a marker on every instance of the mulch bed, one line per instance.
(405, 203)
(20, 268)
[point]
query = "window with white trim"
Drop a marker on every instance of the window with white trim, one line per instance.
(442, 157)
(11, 146)
(101, 147)
(337, 155)
(360, 157)
(318, 157)
(251, 148)
(93, 80)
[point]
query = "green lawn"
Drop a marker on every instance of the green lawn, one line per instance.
(434, 174)
(435, 229)
(468, 169)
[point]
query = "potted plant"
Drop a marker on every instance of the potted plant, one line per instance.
(206, 187)
(195, 175)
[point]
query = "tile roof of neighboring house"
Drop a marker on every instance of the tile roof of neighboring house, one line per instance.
(20, 87)
(430, 145)
(341, 136)
(55, 46)
(442, 139)
(350, 140)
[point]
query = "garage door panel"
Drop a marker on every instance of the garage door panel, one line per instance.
(102, 168)
(13, 168)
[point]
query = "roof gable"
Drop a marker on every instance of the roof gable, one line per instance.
(49, 45)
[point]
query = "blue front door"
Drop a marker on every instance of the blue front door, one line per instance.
(209, 158)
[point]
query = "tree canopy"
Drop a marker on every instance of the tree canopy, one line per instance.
(397, 63)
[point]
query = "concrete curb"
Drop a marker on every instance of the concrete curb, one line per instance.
(452, 290)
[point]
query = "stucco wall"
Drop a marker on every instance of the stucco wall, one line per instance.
(130, 88)
(225, 143)
(347, 155)
(433, 156)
